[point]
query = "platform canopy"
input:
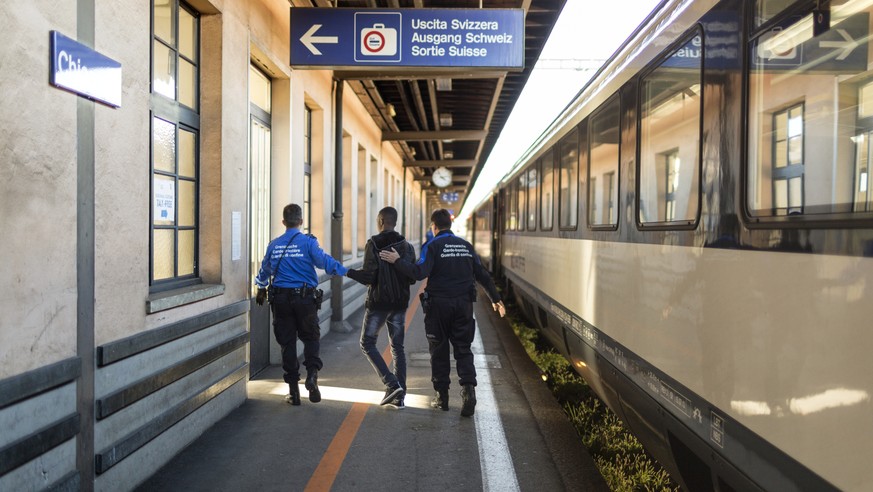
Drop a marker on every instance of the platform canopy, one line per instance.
(445, 117)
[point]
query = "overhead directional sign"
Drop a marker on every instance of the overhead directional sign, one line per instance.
(367, 38)
(449, 197)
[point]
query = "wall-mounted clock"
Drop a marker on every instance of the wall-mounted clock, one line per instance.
(441, 177)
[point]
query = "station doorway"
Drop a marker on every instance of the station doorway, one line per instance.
(259, 209)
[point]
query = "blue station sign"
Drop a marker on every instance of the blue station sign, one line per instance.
(367, 38)
(449, 197)
(77, 68)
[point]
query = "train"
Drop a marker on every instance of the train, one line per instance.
(694, 233)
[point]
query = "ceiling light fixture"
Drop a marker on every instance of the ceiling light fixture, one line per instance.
(444, 84)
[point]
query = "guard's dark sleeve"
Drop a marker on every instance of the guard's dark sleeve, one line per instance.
(484, 279)
(410, 253)
(418, 271)
(409, 256)
(367, 274)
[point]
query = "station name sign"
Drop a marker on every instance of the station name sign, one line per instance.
(367, 38)
(77, 68)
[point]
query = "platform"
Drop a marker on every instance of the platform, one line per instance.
(519, 438)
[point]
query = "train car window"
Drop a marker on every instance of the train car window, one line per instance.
(522, 200)
(592, 211)
(568, 181)
(669, 163)
(547, 191)
(768, 9)
(512, 217)
(603, 158)
(811, 116)
(532, 183)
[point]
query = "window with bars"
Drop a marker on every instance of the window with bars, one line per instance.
(175, 153)
(788, 161)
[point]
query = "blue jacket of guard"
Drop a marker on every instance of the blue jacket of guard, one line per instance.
(427, 238)
(292, 262)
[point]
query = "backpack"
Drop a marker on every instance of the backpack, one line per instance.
(391, 288)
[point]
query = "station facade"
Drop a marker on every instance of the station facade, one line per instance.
(134, 232)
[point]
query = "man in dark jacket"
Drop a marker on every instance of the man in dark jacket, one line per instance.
(387, 299)
(451, 267)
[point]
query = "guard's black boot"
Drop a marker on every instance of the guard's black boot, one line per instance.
(294, 395)
(468, 394)
(440, 400)
(312, 386)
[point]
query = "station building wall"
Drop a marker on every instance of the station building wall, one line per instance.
(103, 378)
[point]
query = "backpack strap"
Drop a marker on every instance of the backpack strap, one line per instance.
(284, 253)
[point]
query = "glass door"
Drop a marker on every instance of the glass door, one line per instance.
(259, 207)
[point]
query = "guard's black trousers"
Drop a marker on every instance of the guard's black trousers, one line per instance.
(295, 316)
(449, 320)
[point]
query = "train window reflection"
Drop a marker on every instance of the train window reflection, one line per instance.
(767, 9)
(548, 191)
(568, 180)
(670, 139)
(532, 182)
(811, 115)
(510, 205)
(603, 163)
(522, 200)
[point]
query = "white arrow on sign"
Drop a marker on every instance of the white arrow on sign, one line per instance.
(309, 39)
(846, 46)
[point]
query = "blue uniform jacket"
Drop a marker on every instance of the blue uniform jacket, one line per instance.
(428, 238)
(297, 268)
(451, 266)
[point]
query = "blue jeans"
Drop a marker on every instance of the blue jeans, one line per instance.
(373, 321)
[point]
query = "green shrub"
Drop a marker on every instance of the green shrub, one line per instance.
(619, 456)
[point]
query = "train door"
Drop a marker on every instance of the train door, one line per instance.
(259, 209)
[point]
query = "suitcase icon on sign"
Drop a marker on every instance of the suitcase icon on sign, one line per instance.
(379, 41)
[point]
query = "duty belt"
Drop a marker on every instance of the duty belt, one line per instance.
(296, 291)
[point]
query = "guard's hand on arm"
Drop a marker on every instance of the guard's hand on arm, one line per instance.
(262, 296)
(389, 256)
(499, 307)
